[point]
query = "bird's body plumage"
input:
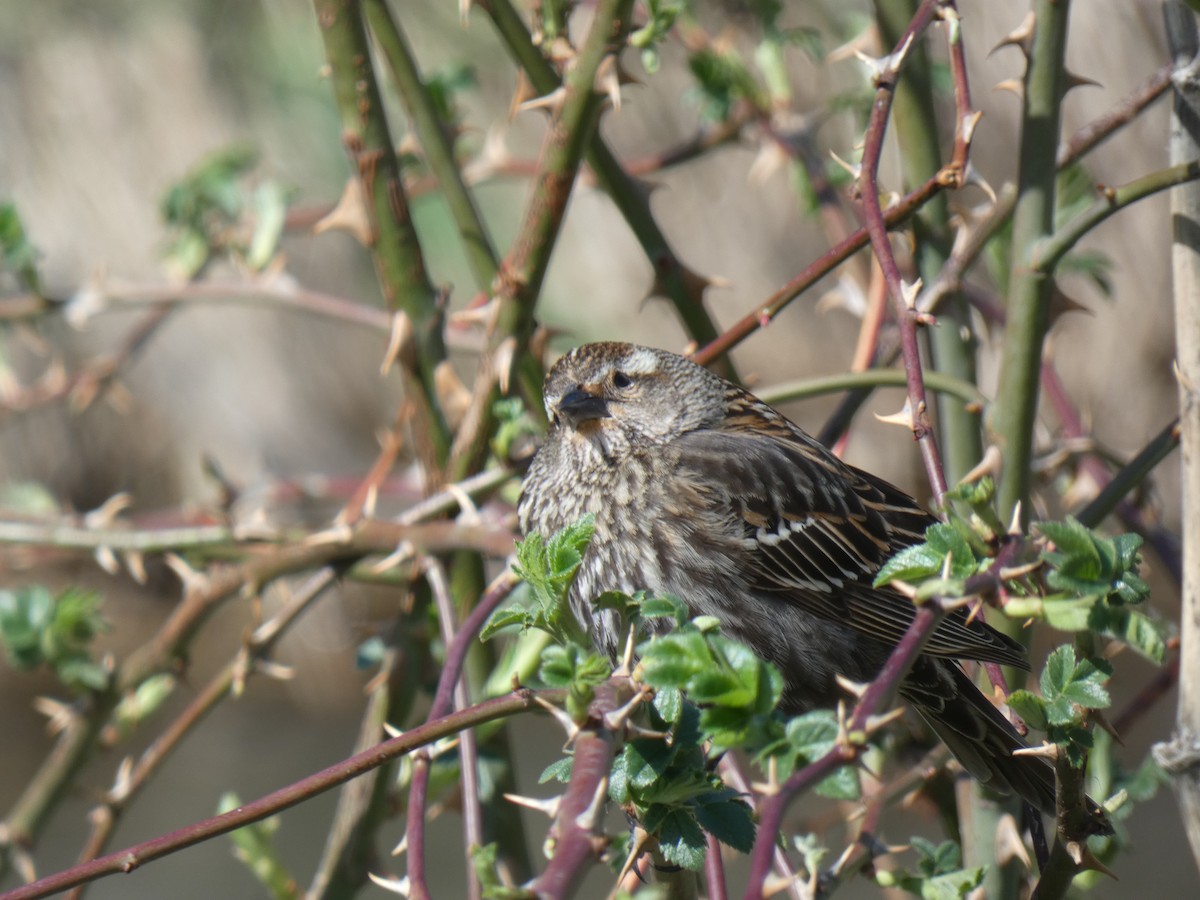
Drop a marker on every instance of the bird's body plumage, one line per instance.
(701, 491)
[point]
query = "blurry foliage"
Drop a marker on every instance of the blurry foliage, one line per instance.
(38, 628)
(219, 209)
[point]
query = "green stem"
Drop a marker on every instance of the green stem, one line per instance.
(1030, 289)
(962, 392)
(438, 148)
(683, 288)
(399, 263)
(1131, 475)
(1025, 333)
(1049, 252)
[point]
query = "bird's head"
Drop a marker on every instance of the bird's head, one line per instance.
(618, 397)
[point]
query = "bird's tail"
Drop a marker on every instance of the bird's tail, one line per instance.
(981, 738)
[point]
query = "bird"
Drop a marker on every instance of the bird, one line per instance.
(700, 490)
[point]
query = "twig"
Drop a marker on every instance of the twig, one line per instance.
(139, 854)
(577, 829)
(769, 309)
(104, 817)
(876, 698)
(906, 312)
(714, 869)
(468, 755)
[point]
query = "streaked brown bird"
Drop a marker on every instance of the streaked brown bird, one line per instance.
(702, 491)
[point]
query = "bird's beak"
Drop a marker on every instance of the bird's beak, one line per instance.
(579, 406)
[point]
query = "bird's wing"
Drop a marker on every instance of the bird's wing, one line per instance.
(816, 531)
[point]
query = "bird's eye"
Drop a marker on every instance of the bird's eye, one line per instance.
(621, 380)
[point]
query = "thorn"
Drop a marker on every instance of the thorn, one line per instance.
(551, 101)
(1012, 85)
(1045, 750)
(122, 783)
(1088, 861)
(616, 719)
(855, 689)
(770, 159)
(1014, 527)
(1074, 81)
(59, 715)
(1008, 573)
(561, 716)
(481, 316)
(452, 394)
(1097, 716)
(106, 513)
(626, 667)
(391, 730)
(910, 292)
(548, 806)
(969, 123)
(989, 465)
(401, 847)
(1009, 845)
(502, 362)
(349, 214)
(399, 340)
(641, 839)
(107, 560)
(903, 417)
(854, 170)
(276, 670)
(392, 885)
(135, 565)
(875, 723)
(468, 511)
(590, 818)
(192, 580)
(972, 177)
(1021, 36)
(609, 79)
(401, 554)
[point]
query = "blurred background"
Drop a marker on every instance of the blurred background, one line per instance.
(103, 107)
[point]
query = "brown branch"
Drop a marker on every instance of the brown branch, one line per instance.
(138, 855)
(906, 313)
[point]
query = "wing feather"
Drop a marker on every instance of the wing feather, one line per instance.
(816, 531)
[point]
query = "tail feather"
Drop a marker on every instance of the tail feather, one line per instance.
(980, 737)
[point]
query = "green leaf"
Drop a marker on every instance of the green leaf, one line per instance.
(17, 253)
(680, 838)
(1030, 707)
(1067, 683)
(1069, 615)
(558, 771)
(912, 564)
(1140, 632)
(729, 820)
(505, 618)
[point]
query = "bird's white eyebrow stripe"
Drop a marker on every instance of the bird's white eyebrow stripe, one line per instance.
(640, 362)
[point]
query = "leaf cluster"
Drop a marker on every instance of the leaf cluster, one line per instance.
(1069, 687)
(218, 209)
(939, 874)
(38, 628)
